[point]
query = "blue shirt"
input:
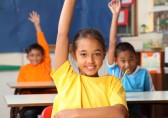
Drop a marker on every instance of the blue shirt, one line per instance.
(139, 80)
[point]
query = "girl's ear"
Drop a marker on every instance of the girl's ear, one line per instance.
(73, 55)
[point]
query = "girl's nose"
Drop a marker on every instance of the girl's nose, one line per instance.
(91, 59)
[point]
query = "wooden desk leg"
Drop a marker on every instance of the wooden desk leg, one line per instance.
(17, 91)
(14, 112)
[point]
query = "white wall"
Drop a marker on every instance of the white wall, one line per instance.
(144, 17)
(11, 59)
(6, 76)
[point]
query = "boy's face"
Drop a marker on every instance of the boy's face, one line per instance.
(126, 60)
(35, 57)
(89, 56)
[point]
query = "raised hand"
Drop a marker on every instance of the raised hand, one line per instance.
(34, 18)
(114, 6)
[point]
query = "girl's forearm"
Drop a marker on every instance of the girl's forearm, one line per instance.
(117, 111)
(62, 43)
(66, 16)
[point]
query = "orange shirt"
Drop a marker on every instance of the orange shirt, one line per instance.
(40, 72)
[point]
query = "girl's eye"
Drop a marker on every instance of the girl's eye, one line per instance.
(83, 54)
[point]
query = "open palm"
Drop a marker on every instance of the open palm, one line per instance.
(114, 6)
(34, 18)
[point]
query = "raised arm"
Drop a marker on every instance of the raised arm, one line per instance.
(62, 42)
(34, 17)
(114, 6)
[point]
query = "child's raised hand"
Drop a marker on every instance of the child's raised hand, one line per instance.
(34, 18)
(115, 6)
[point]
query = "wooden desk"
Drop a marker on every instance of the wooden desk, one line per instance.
(29, 100)
(155, 97)
(22, 86)
(17, 101)
(29, 85)
(33, 87)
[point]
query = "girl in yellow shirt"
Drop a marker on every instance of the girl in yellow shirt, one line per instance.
(85, 95)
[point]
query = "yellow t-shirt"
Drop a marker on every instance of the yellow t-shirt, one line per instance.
(78, 91)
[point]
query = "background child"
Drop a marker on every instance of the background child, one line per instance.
(77, 92)
(38, 54)
(39, 68)
(122, 58)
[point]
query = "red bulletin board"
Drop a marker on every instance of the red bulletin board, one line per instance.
(127, 2)
(123, 17)
(151, 61)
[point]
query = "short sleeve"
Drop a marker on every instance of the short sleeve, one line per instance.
(62, 75)
(110, 69)
(148, 82)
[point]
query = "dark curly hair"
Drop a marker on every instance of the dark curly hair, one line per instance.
(124, 46)
(35, 46)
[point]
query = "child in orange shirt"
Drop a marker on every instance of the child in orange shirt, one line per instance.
(39, 68)
(38, 54)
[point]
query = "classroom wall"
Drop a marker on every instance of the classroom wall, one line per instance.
(144, 17)
(11, 59)
(17, 32)
(16, 58)
(6, 76)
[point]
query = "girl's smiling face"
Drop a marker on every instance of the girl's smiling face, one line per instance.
(89, 56)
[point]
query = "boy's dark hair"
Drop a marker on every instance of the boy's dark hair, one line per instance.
(35, 46)
(124, 46)
(89, 32)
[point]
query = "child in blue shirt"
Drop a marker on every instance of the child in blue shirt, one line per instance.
(122, 58)
(137, 78)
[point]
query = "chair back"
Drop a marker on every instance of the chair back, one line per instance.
(46, 113)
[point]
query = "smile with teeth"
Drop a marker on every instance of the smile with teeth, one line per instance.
(90, 67)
